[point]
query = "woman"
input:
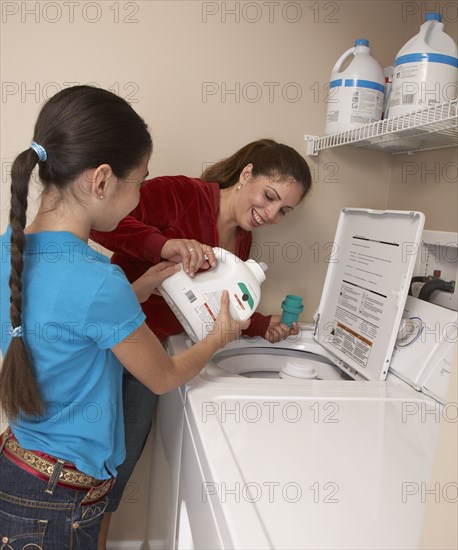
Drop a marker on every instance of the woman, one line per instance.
(74, 322)
(180, 219)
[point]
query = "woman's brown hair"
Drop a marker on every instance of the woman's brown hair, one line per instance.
(269, 158)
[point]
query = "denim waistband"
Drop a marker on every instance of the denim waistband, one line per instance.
(56, 471)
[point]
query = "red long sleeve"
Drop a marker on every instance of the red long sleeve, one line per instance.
(169, 208)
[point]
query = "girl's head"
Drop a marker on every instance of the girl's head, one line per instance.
(82, 129)
(268, 179)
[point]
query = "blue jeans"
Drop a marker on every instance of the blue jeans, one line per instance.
(31, 518)
(139, 406)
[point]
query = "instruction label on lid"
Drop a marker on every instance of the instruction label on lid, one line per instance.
(366, 288)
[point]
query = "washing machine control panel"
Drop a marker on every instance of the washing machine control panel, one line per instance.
(425, 347)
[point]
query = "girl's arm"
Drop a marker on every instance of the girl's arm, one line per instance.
(142, 354)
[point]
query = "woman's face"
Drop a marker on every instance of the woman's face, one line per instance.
(264, 200)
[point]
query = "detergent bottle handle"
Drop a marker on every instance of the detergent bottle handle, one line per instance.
(342, 58)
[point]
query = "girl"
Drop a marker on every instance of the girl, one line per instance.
(70, 322)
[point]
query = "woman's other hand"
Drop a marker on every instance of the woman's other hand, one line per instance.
(277, 331)
(192, 253)
(146, 285)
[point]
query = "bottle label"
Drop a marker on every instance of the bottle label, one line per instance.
(421, 84)
(208, 304)
(356, 105)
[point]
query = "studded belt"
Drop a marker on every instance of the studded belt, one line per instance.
(46, 467)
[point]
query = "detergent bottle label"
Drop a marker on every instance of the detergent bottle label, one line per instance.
(207, 308)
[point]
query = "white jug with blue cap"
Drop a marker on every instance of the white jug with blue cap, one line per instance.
(356, 93)
(425, 69)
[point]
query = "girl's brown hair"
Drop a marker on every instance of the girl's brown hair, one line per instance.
(80, 128)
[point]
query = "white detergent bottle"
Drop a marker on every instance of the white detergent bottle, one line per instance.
(355, 93)
(196, 301)
(426, 69)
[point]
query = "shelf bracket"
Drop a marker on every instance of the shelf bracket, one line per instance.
(311, 145)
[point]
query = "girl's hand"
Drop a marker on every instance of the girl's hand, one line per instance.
(146, 285)
(277, 331)
(192, 253)
(226, 329)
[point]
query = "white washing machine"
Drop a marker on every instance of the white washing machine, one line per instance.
(311, 443)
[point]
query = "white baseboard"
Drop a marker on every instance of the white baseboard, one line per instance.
(136, 545)
(155, 545)
(125, 545)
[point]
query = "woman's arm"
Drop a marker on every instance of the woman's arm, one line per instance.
(163, 200)
(136, 235)
(171, 212)
(134, 238)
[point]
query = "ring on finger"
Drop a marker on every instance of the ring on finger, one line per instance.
(191, 249)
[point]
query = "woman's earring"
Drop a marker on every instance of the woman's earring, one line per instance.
(239, 187)
(101, 197)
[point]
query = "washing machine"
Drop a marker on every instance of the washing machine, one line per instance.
(327, 439)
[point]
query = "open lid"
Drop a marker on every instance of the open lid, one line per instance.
(366, 287)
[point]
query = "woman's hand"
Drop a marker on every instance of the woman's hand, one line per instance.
(146, 285)
(277, 331)
(192, 253)
(226, 329)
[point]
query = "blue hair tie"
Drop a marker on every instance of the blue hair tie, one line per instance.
(16, 332)
(39, 150)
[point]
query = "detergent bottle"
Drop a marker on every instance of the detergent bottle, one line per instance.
(356, 93)
(425, 69)
(196, 301)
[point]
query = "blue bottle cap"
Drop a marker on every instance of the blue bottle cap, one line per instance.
(433, 16)
(361, 42)
(291, 307)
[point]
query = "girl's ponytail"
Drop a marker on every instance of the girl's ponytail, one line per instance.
(18, 386)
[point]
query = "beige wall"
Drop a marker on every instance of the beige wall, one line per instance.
(208, 82)
(427, 182)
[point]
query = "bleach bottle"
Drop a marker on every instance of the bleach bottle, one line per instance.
(196, 301)
(425, 71)
(356, 93)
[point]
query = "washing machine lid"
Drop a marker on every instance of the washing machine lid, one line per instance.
(366, 287)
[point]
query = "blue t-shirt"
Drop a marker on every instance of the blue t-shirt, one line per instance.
(75, 307)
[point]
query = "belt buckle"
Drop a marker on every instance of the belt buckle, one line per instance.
(97, 493)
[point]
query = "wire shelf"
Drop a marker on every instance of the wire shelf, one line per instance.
(423, 130)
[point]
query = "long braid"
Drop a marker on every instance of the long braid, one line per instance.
(18, 386)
